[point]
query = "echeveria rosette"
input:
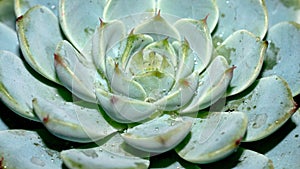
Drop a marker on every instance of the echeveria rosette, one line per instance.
(135, 80)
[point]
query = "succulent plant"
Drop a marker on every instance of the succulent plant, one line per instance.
(150, 84)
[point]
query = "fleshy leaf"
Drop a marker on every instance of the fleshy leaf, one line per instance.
(104, 39)
(236, 15)
(157, 25)
(9, 40)
(77, 75)
(180, 95)
(286, 153)
(15, 91)
(39, 32)
(131, 12)
(268, 106)
(116, 144)
(282, 56)
(21, 6)
(100, 158)
(280, 11)
(123, 109)
(79, 123)
(121, 84)
(213, 138)
(7, 14)
(191, 9)
(160, 134)
(79, 20)
(246, 52)
(26, 150)
(198, 36)
(243, 159)
(212, 85)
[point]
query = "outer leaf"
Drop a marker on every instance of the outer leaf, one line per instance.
(7, 15)
(158, 135)
(245, 51)
(280, 11)
(191, 9)
(21, 6)
(285, 154)
(236, 15)
(213, 138)
(131, 12)
(100, 158)
(198, 36)
(9, 40)
(123, 109)
(79, 20)
(79, 123)
(212, 85)
(25, 149)
(15, 91)
(39, 32)
(243, 159)
(268, 106)
(75, 73)
(282, 57)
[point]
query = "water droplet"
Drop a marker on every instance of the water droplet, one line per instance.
(172, 123)
(156, 129)
(276, 121)
(227, 2)
(37, 161)
(53, 7)
(101, 150)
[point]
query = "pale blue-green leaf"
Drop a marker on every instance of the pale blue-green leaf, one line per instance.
(104, 39)
(130, 12)
(81, 122)
(246, 52)
(180, 95)
(268, 105)
(191, 9)
(22, 6)
(79, 20)
(26, 150)
(7, 13)
(283, 10)
(9, 40)
(122, 51)
(185, 60)
(212, 85)
(123, 109)
(116, 144)
(160, 134)
(198, 36)
(121, 84)
(158, 25)
(287, 152)
(282, 56)
(75, 73)
(100, 158)
(213, 138)
(235, 15)
(19, 85)
(243, 159)
(38, 33)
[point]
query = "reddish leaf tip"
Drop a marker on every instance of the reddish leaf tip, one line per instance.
(46, 119)
(19, 18)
